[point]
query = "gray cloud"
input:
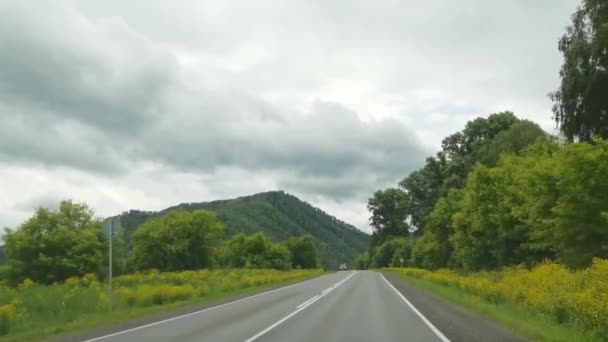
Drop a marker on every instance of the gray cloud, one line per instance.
(330, 99)
(93, 94)
(59, 63)
(45, 200)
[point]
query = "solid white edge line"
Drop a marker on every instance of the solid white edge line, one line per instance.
(277, 323)
(424, 319)
(200, 311)
(306, 302)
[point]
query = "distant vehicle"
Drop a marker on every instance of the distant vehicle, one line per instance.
(343, 267)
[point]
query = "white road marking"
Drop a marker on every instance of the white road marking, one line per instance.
(424, 319)
(327, 289)
(200, 311)
(308, 303)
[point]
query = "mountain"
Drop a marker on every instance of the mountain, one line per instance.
(280, 216)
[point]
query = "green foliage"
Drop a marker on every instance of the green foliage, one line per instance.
(180, 240)
(431, 200)
(388, 214)
(386, 254)
(32, 311)
(547, 203)
(481, 141)
(280, 216)
(486, 233)
(571, 191)
(580, 103)
(278, 257)
(362, 261)
(513, 140)
(499, 193)
(303, 252)
(258, 251)
(433, 250)
(56, 244)
(466, 148)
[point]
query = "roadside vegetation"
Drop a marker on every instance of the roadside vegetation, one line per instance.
(56, 275)
(546, 203)
(558, 304)
(32, 310)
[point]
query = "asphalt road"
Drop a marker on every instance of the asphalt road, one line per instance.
(344, 306)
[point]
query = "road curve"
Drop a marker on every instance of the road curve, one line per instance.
(344, 306)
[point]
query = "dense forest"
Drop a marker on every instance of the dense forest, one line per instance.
(503, 192)
(278, 215)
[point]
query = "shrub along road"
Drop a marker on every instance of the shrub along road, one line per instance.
(344, 306)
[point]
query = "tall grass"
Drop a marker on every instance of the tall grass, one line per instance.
(573, 297)
(29, 306)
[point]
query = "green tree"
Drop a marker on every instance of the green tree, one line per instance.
(513, 140)
(550, 202)
(56, 244)
(426, 252)
(388, 214)
(303, 252)
(567, 202)
(3, 259)
(580, 103)
(423, 188)
(463, 149)
(385, 253)
(482, 140)
(258, 251)
(278, 257)
(427, 197)
(489, 228)
(180, 240)
(362, 261)
(403, 252)
(433, 249)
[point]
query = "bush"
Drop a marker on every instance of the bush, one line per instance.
(7, 313)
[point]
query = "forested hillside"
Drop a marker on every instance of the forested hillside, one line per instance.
(280, 216)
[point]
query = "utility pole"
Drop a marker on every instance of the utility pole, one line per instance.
(111, 235)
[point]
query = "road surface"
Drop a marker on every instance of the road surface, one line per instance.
(344, 306)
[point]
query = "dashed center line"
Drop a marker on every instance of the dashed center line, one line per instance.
(300, 308)
(308, 301)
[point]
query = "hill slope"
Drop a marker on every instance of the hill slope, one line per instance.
(278, 215)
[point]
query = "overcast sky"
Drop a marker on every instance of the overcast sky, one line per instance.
(146, 104)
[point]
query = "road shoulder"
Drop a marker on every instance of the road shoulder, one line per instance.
(456, 323)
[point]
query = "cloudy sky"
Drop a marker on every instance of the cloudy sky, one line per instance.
(146, 104)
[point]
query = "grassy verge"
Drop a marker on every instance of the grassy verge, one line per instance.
(536, 326)
(38, 328)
